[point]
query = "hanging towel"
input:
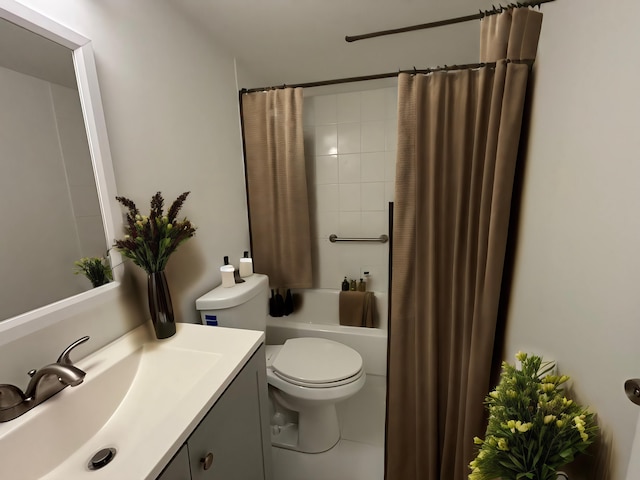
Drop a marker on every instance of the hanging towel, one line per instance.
(357, 309)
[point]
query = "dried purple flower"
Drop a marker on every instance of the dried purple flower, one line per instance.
(150, 240)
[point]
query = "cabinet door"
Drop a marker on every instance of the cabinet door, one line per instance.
(178, 468)
(228, 443)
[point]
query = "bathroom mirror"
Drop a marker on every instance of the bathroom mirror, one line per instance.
(57, 187)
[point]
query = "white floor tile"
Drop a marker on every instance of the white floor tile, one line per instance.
(346, 461)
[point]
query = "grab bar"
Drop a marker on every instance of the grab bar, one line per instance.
(333, 238)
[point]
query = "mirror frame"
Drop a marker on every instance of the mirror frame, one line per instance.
(95, 125)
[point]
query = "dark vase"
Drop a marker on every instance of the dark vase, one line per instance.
(160, 305)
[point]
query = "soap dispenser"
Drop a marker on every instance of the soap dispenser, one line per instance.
(226, 272)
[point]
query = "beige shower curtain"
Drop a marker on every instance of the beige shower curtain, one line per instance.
(458, 134)
(277, 186)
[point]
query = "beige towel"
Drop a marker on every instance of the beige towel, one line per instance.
(357, 309)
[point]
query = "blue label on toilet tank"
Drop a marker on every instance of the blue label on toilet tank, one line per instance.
(211, 320)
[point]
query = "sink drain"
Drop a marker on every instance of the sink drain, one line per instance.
(102, 458)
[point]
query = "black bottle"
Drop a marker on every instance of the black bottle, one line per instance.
(288, 303)
(275, 304)
(272, 304)
(278, 305)
(345, 285)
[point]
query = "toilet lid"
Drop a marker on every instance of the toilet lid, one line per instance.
(316, 361)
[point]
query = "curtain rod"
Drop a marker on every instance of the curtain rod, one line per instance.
(450, 21)
(336, 81)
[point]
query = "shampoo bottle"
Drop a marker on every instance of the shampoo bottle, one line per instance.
(278, 305)
(288, 303)
(272, 304)
(246, 265)
(367, 281)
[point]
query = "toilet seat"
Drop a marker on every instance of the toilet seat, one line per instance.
(344, 381)
(316, 363)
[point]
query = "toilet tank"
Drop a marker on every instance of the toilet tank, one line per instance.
(245, 305)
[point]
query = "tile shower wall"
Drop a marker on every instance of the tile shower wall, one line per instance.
(350, 148)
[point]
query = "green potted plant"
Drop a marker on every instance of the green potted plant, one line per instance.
(533, 428)
(96, 269)
(149, 241)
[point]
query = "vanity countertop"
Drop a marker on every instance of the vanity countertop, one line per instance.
(141, 396)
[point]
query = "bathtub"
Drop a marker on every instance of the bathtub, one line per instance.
(316, 315)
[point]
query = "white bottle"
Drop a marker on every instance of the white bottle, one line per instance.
(367, 281)
(246, 266)
(226, 272)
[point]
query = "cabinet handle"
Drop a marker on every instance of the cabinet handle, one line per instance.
(207, 461)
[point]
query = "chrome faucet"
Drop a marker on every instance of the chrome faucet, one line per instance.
(44, 384)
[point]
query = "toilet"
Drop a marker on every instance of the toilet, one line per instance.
(306, 376)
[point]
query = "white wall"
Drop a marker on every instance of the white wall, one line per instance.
(171, 109)
(575, 295)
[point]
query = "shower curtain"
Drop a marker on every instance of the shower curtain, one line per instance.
(458, 134)
(277, 186)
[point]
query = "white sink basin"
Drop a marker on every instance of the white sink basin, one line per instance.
(141, 396)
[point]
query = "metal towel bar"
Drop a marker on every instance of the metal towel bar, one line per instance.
(333, 238)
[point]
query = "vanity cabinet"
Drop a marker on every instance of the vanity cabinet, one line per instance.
(178, 468)
(232, 442)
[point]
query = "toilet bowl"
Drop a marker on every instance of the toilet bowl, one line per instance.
(308, 376)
